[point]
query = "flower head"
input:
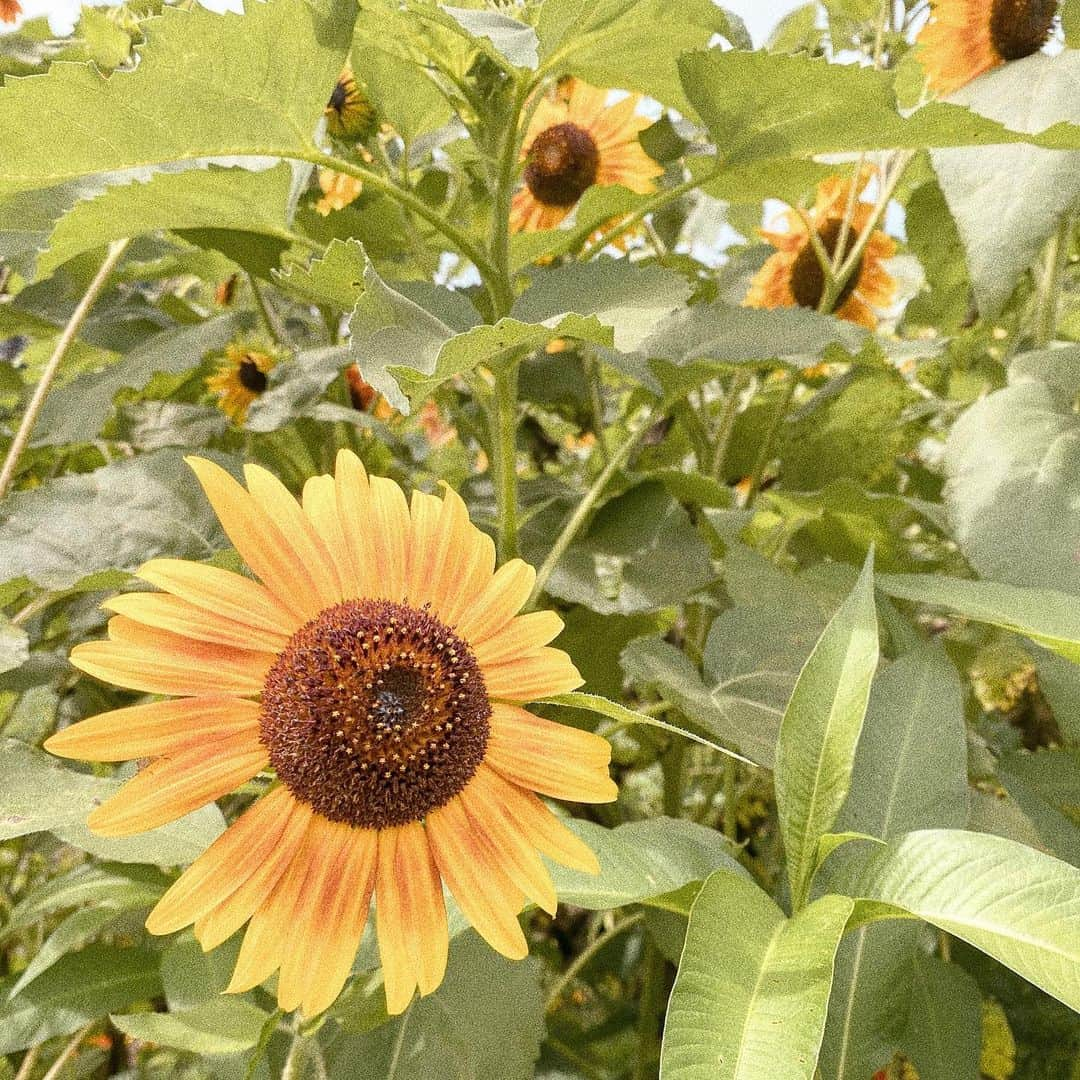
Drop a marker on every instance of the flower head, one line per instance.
(10, 10)
(575, 140)
(349, 114)
(965, 38)
(379, 668)
(241, 377)
(794, 276)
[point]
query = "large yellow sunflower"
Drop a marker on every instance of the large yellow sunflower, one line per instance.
(241, 377)
(379, 668)
(574, 140)
(793, 276)
(965, 38)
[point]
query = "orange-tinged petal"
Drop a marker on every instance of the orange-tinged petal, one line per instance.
(425, 512)
(276, 502)
(227, 863)
(503, 597)
(179, 617)
(231, 595)
(545, 830)
(410, 916)
(355, 512)
(523, 634)
(171, 787)
(342, 935)
(320, 505)
(257, 538)
(391, 528)
(518, 856)
(486, 896)
(540, 674)
(163, 727)
(550, 758)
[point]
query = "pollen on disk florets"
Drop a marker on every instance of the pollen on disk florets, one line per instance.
(561, 164)
(375, 714)
(1020, 28)
(807, 275)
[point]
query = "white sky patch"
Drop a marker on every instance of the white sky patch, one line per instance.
(64, 14)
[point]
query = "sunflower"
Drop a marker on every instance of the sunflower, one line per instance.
(379, 668)
(573, 141)
(364, 397)
(241, 377)
(965, 38)
(338, 190)
(10, 10)
(793, 276)
(349, 114)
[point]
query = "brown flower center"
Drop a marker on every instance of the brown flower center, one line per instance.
(375, 714)
(561, 165)
(807, 276)
(251, 376)
(1019, 28)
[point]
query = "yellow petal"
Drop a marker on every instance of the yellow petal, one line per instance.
(540, 674)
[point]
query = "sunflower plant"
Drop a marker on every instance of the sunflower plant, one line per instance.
(540, 540)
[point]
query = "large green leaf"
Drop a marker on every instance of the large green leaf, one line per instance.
(14, 645)
(910, 773)
(1014, 903)
(256, 202)
(112, 519)
(1013, 468)
(205, 86)
(767, 105)
(82, 987)
(820, 731)
(1051, 618)
(753, 986)
(37, 794)
(226, 1025)
(1008, 199)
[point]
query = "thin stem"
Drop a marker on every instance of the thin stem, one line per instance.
(650, 1008)
(596, 403)
(66, 1054)
(67, 338)
(1057, 256)
(731, 798)
(768, 443)
(586, 956)
(271, 322)
(399, 1046)
(468, 247)
(509, 152)
(28, 1062)
(581, 512)
(266, 1033)
(504, 445)
(673, 765)
(728, 418)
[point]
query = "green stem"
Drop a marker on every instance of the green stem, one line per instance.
(271, 322)
(596, 403)
(1057, 256)
(673, 765)
(504, 446)
(265, 1035)
(586, 956)
(731, 798)
(728, 418)
(650, 1009)
(584, 508)
(67, 1054)
(65, 341)
(765, 454)
(509, 152)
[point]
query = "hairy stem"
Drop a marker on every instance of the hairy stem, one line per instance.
(66, 340)
(504, 444)
(586, 956)
(1057, 255)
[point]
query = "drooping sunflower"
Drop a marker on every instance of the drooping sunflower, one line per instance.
(793, 277)
(349, 114)
(241, 377)
(575, 140)
(379, 668)
(10, 10)
(965, 38)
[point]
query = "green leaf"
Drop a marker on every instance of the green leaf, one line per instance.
(1044, 615)
(77, 411)
(336, 279)
(943, 1035)
(1003, 222)
(820, 731)
(642, 860)
(767, 105)
(514, 41)
(1046, 788)
(1070, 22)
(1014, 903)
(226, 1025)
(112, 519)
(81, 987)
(749, 1003)
(39, 795)
(205, 86)
(1013, 468)
(255, 202)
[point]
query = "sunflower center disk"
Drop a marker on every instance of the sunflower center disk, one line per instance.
(561, 165)
(807, 277)
(251, 376)
(375, 714)
(1019, 28)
